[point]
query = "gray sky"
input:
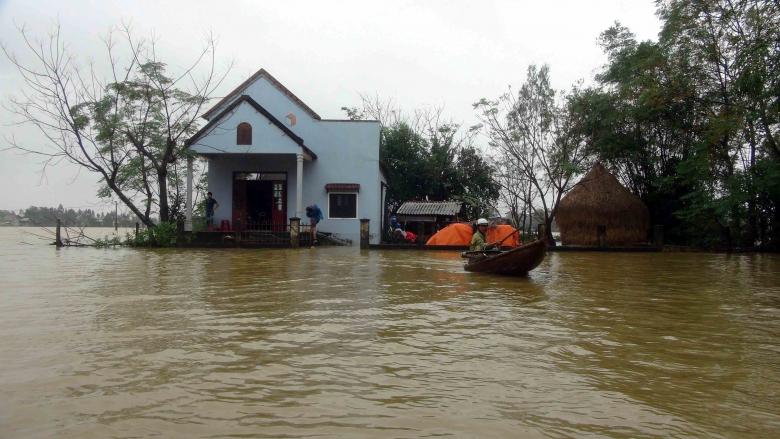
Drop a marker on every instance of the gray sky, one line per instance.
(420, 54)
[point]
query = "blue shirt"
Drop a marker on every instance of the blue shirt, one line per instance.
(314, 213)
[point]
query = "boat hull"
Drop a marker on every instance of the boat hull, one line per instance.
(516, 262)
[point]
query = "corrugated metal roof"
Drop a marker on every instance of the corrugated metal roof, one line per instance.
(436, 208)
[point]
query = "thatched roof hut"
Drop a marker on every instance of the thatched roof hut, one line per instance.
(600, 211)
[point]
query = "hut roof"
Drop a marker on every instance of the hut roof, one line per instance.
(600, 199)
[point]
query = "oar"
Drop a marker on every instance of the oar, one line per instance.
(505, 238)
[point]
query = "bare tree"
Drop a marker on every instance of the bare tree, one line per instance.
(517, 194)
(129, 127)
(531, 133)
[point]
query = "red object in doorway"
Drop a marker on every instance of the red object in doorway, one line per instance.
(224, 226)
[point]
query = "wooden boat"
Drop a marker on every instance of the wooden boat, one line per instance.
(516, 262)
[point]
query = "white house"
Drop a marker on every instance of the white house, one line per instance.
(270, 155)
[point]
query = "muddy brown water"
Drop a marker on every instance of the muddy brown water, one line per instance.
(338, 342)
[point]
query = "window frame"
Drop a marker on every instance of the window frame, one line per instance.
(357, 204)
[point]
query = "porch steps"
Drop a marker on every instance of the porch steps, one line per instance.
(328, 239)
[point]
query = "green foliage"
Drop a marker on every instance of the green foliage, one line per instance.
(690, 122)
(163, 234)
(106, 242)
(435, 165)
(145, 119)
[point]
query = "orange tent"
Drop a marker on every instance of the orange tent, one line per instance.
(459, 234)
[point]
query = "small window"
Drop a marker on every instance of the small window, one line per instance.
(342, 205)
(244, 134)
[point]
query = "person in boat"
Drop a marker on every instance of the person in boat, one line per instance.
(479, 238)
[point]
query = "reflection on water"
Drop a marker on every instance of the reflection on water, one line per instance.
(336, 342)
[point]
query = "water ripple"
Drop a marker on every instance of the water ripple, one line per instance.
(338, 342)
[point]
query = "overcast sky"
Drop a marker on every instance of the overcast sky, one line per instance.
(419, 53)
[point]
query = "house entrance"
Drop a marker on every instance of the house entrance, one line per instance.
(260, 201)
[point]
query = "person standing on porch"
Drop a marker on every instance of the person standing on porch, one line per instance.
(211, 206)
(314, 213)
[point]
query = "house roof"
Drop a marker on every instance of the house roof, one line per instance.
(262, 73)
(433, 208)
(245, 98)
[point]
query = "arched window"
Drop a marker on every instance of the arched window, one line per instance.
(244, 134)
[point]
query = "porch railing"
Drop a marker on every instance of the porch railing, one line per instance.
(266, 233)
(262, 233)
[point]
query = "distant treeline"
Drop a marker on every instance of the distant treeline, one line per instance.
(47, 217)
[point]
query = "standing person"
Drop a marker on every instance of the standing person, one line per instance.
(314, 214)
(479, 238)
(211, 206)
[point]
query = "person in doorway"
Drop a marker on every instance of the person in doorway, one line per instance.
(479, 238)
(211, 206)
(314, 213)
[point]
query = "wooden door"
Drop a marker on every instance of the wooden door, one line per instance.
(239, 205)
(279, 205)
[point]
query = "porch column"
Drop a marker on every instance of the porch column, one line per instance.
(299, 186)
(188, 213)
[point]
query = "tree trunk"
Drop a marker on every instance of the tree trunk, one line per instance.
(548, 231)
(127, 202)
(751, 231)
(162, 182)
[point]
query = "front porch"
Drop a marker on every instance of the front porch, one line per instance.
(255, 192)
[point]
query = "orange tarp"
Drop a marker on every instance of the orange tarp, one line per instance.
(459, 234)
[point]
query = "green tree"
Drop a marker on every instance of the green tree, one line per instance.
(426, 158)
(690, 122)
(128, 128)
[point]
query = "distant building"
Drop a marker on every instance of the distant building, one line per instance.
(600, 211)
(270, 155)
(426, 217)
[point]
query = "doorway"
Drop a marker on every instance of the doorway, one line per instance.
(259, 207)
(260, 201)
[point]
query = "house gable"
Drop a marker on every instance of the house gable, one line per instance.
(245, 86)
(269, 135)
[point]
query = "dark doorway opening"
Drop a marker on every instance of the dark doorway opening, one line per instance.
(259, 204)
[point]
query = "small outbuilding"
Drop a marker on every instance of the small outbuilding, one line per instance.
(599, 211)
(426, 217)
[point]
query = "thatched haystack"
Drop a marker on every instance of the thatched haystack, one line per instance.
(600, 211)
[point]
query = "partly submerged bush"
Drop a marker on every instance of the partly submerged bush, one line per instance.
(162, 235)
(107, 242)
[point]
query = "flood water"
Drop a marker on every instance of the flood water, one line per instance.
(338, 342)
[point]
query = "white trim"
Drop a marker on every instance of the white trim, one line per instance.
(299, 184)
(188, 211)
(357, 204)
